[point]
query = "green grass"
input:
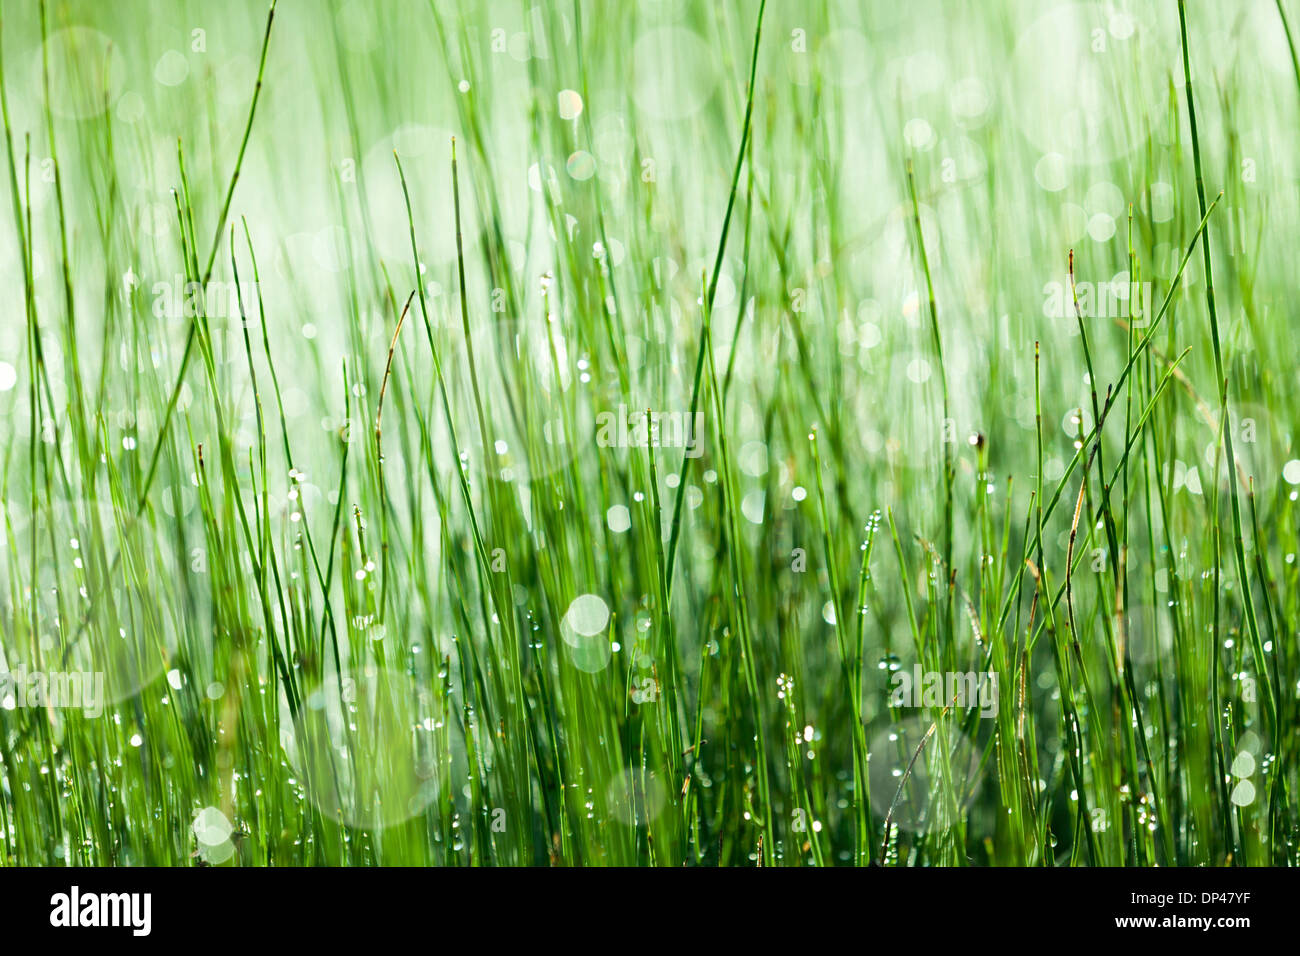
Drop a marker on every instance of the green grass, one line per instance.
(967, 332)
